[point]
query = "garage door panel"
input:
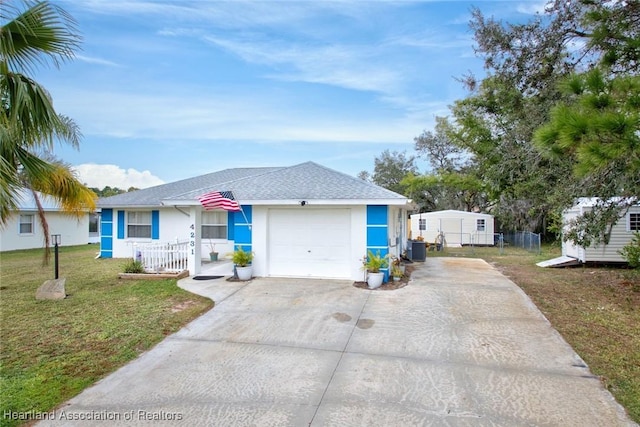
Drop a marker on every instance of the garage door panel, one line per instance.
(309, 243)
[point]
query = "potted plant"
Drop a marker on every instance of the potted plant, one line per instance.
(373, 263)
(213, 255)
(242, 259)
(396, 273)
(397, 262)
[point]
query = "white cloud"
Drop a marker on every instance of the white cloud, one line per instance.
(533, 7)
(100, 176)
(98, 61)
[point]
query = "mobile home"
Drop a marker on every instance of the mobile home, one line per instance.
(621, 235)
(457, 227)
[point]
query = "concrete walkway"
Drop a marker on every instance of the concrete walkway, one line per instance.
(461, 345)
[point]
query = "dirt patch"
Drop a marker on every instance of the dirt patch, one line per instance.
(182, 306)
(390, 285)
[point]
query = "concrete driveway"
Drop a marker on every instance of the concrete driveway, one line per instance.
(461, 345)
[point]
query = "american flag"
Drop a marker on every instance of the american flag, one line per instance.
(219, 200)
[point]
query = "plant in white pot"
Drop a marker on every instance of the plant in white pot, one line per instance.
(213, 255)
(396, 273)
(242, 259)
(373, 263)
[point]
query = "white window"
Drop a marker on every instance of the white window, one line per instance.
(634, 222)
(139, 224)
(26, 223)
(214, 225)
(480, 225)
(94, 219)
(422, 224)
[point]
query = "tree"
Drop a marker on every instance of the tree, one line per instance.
(527, 64)
(446, 190)
(390, 168)
(439, 150)
(108, 191)
(454, 182)
(29, 125)
(598, 129)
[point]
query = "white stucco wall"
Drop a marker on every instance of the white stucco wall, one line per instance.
(174, 224)
(73, 231)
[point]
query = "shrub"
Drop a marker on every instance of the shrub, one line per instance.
(375, 262)
(631, 252)
(242, 258)
(133, 266)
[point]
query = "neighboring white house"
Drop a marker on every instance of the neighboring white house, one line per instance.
(24, 231)
(621, 235)
(458, 227)
(300, 221)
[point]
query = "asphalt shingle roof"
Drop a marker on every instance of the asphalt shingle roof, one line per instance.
(306, 181)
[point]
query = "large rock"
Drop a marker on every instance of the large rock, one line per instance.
(52, 289)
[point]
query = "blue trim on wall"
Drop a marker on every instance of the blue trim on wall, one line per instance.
(106, 229)
(106, 245)
(378, 232)
(155, 225)
(106, 233)
(107, 215)
(242, 228)
(230, 225)
(377, 236)
(377, 214)
(120, 224)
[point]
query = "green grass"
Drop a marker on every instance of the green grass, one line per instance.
(51, 350)
(595, 308)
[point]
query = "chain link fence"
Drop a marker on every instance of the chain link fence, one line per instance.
(510, 243)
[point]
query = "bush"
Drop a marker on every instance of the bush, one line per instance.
(133, 266)
(242, 258)
(375, 262)
(631, 252)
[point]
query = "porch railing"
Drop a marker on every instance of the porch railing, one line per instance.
(159, 257)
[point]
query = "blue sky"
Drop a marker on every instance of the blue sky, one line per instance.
(166, 90)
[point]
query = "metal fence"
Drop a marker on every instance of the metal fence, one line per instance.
(505, 243)
(523, 239)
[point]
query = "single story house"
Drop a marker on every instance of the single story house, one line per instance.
(24, 231)
(457, 227)
(621, 234)
(299, 221)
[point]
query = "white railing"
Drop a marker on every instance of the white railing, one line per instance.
(159, 257)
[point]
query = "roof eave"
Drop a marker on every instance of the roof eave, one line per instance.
(293, 202)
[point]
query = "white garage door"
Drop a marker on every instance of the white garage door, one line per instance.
(310, 242)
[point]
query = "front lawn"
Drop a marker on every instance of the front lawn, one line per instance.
(51, 350)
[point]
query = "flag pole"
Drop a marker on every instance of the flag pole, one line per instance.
(241, 210)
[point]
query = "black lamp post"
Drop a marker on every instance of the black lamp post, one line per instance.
(55, 238)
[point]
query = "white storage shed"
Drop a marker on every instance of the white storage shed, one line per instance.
(458, 227)
(621, 235)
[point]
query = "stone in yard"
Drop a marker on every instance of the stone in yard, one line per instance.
(52, 289)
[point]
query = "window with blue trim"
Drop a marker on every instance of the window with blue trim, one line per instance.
(139, 224)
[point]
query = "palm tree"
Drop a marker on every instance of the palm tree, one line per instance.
(29, 125)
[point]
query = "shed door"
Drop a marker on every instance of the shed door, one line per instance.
(307, 242)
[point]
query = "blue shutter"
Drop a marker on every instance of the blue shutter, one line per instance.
(230, 225)
(155, 225)
(120, 224)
